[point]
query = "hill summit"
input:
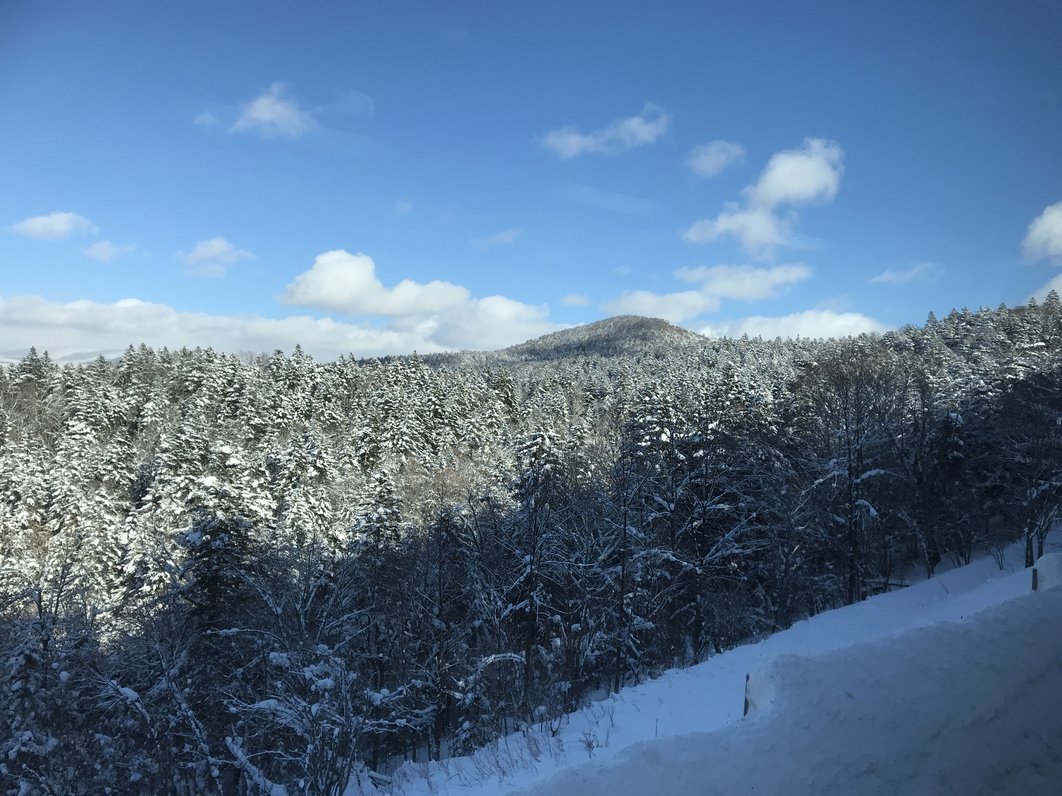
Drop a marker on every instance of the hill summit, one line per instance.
(622, 334)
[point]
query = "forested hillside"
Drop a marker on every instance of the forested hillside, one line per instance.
(228, 574)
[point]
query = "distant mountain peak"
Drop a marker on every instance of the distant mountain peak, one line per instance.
(621, 334)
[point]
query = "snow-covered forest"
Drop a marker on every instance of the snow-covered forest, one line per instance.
(264, 574)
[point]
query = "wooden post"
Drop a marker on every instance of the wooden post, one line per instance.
(1036, 579)
(746, 695)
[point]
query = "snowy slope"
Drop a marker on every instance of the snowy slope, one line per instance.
(972, 707)
(711, 695)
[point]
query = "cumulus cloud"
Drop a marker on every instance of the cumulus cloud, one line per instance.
(105, 251)
(442, 313)
(715, 283)
(799, 176)
(810, 323)
(618, 136)
(765, 221)
(923, 272)
(212, 257)
(710, 159)
(343, 282)
(760, 229)
(426, 318)
(273, 114)
(84, 329)
(506, 237)
(54, 226)
(1043, 240)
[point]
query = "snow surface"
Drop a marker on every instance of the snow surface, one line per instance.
(971, 708)
(867, 677)
(1049, 571)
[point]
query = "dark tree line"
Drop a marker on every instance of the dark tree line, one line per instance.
(266, 574)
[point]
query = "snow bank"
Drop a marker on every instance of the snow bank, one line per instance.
(1048, 571)
(711, 695)
(970, 707)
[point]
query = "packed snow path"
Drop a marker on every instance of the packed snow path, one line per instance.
(971, 707)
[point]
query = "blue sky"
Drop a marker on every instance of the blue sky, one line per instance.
(376, 178)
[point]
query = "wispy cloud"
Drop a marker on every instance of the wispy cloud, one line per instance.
(762, 224)
(455, 37)
(576, 300)
(618, 136)
(55, 226)
(357, 103)
(612, 201)
(507, 237)
(1043, 240)
(206, 120)
(213, 257)
(923, 272)
(273, 114)
(713, 285)
(105, 251)
(403, 207)
(708, 160)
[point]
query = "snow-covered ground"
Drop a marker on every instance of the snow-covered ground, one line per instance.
(903, 693)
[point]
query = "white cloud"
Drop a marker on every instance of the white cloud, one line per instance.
(759, 229)
(212, 257)
(425, 318)
(715, 283)
(357, 103)
(54, 226)
(674, 307)
(403, 207)
(506, 237)
(105, 251)
(273, 115)
(1055, 284)
(810, 174)
(442, 313)
(455, 37)
(810, 323)
(205, 119)
(344, 282)
(576, 300)
(923, 272)
(612, 201)
(710, 159)
(1043, 241)
(799, 176)
(743, 282)
(619, 136)
(84, 329)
